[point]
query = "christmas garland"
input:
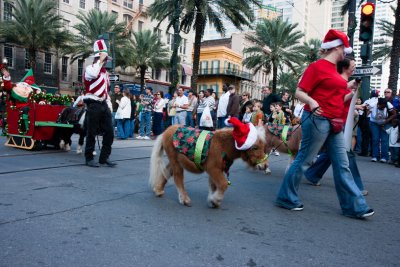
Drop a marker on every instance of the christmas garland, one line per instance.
(50, 99)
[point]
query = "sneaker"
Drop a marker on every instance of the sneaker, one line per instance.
(383, 160)
(146, 138)
(314, 184)
(276, 153)
(368, 213)
(364, 192)
(139, 137)
(374, 160)
(299, 208)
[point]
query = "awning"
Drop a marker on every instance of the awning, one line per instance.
(187, 70)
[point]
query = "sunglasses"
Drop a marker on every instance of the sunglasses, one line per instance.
(387, 92)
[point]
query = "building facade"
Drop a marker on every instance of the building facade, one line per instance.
(61, 73)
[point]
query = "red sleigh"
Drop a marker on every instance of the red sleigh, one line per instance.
(42, 126)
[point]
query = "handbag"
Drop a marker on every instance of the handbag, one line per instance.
(172, 112)
(337, 125)
(206, 119)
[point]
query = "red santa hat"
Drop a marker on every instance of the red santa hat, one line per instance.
(336, 38)
(100, 46)
(245, 135)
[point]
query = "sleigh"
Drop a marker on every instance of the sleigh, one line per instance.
(35, 129)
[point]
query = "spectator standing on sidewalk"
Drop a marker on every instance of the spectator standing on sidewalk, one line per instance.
(222, 107)
(181, 105)
(115, 98)
(269, 98)
(394, 142)
(145, 119)
(192, 105)
(233, 107)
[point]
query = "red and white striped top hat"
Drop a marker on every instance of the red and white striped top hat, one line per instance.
(98, 47)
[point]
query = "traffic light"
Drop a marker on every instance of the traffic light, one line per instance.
(367, 22)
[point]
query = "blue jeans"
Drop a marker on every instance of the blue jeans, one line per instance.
(189, 119)
(316, 132)
(379, 137)
(145, 123)
(158, 124)
(131, 127)
(121, 131)
(180, 117)
(394, 153)
(221, 122)
(317, 170)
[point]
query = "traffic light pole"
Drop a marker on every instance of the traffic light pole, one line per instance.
(366, 56)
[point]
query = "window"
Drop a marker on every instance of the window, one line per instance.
(183, 79)
(215, 67)
(204, 67)
(182, 47)
(27, 64)
(167, 76)
(97, 4)
(82, 4)
(7, 11)
(215, 88)
(66, 1)
(47, 63)
(64, 68)
(170, 40)
(157, 31)
(155, 74)
(128, 3)
(127, 18)
(66, 23)
(114, 13)
(80, 70)
(140, 26)
(9, 55)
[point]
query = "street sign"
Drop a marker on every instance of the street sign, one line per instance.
(114, 77)
(368, 70)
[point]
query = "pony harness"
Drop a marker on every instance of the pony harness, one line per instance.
(193, 143)
(282, 131)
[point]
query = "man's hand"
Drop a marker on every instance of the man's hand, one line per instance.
(5, 73)
(103, 57)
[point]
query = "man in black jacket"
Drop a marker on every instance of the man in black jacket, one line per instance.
(269, 98)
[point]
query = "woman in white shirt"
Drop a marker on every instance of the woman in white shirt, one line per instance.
(123, 115)
(159, 104)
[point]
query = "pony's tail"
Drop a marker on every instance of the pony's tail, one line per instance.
(157, 166)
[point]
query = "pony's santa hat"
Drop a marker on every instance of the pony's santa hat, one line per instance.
(245, 135)
(100, 46)
(335, 38)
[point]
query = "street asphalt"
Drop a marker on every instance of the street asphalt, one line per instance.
(55, 211)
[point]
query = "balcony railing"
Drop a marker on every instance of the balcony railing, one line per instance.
(226, 71)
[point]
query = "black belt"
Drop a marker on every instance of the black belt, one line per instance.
(92, 101)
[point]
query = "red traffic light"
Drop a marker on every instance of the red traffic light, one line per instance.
(367, 22)
(368, 9)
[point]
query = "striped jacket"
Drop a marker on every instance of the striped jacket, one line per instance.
(97, 82)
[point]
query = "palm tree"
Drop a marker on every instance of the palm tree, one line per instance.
(148, 51)
(35, 26)
(157, 8)
(310, 51)
(395, 53)
(276, 44)
(382, 47)
(93, 24)
(197, 13)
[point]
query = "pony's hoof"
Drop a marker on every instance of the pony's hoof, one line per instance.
(159, 193)
(67, 147)
(79, 150)
(268, 171)
(62, 144)
(185, 201)
(94, 153)
(213, 205)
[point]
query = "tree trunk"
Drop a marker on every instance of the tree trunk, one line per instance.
(177, 41)
(142, 74)
(199, 28)
(274, 77)
(395, 53)
(32, 59)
